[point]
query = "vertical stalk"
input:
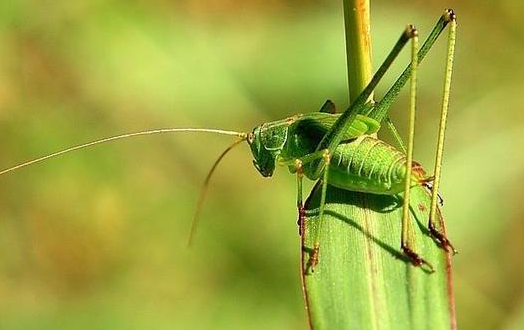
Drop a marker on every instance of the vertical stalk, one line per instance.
(358, 45)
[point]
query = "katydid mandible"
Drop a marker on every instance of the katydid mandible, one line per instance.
(339, 149)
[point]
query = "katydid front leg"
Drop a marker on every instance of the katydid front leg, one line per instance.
(298, 163)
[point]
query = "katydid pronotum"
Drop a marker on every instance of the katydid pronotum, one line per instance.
(339, 149)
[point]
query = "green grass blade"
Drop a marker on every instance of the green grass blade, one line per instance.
(363, 281)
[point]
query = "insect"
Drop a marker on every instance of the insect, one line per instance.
(339, 149)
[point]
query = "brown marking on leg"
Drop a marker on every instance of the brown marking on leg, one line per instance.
(301, 219)
(441, 239)
(439, 236)
(307, 265)
(313, 257)
(415, 259)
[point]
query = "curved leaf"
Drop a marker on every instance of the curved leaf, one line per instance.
(363, 281)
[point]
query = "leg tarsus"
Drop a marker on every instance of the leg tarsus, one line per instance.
(313, 257)
(441, 239)
(416, 260)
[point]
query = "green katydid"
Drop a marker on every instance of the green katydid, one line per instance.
(338, 149)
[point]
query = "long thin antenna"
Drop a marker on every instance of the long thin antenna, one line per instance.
(123, 136)
(203, 190)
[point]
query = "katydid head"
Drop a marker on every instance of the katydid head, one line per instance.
(263, 159)
(266, 142)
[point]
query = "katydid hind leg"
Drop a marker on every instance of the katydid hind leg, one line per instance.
(380, 110)
(436, 229)
(334, 136)
(434, 214)
(408, 234)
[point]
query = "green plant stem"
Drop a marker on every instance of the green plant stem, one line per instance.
(358, 45)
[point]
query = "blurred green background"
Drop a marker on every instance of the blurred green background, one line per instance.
(96, 240)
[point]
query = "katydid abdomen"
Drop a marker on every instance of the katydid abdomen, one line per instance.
(365, 164)
(370, 165)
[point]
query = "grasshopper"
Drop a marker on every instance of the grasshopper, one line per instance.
(340, 149)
